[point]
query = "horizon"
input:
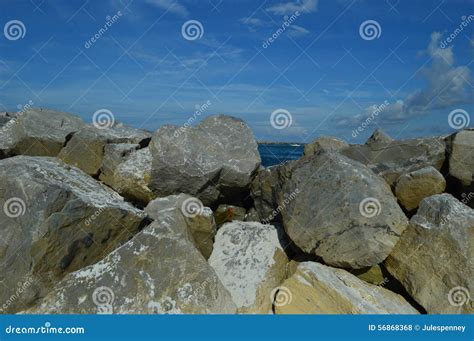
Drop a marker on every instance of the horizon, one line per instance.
(292, 70)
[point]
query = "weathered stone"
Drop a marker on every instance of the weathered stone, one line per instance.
(342, 211)
(227, 213)
(6, 117)
(55, 219)
(85, 150)
(250, 262)
(156, 272)
(324, 143)
(200, 226)
(252, 215)
(38, 132)
(127, 171)
(372, 275)
(379, 137)
(434, 259)
(214, 161)
(413, 187)
(461, 158)
(319, 289)
(391, 160)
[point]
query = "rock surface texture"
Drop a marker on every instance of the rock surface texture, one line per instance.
(461, 159)
(434, 258)
(214, 161)
(318, 289)
(326, 143)
(55, 219)
(343, 212)
(413, 187)
(250, 262)
(156, 272)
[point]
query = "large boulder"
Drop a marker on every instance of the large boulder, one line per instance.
(200, 227)
(413, 187)
(85, 150)
(156, 272)
(461, 158)
(318, 289)
(250, 262)
(434, 259)
(392, 159)
(6, 117)
(214, 161)
(342, 211)
(127, 169)
(38, 132)
(324, 143)
(55, 219)
(379, 137)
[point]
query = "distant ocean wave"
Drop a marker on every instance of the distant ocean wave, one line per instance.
(274, 154)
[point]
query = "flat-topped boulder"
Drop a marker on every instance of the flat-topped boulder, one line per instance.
(461, 157)
(214, 161)
(318, 289)
(392, 159)
(250, 262)
(324, 143)
(157, 272)
(85, 150)
(38, 132)
(341, 211)
(434, 258)
(55, 219)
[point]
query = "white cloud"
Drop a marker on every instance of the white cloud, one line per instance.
(297, 31)
(170, 5)
(252, 21)
(302, 6)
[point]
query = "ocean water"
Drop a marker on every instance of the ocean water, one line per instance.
(274, 154)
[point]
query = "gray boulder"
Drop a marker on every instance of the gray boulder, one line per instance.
(214, 161)
(85, 150)
(413, 187)
(324, 143)
(391, 160)
(200, 227)
(461, 157)
(55, 219)
(342, 211)
(379, 137)
(250, 262)
(157, 272)
(38, 132)
(434, 260)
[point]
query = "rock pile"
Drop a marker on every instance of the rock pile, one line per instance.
(186, 221)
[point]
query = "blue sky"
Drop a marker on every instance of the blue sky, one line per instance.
(320, 69)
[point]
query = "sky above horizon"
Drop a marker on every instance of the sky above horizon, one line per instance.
(341, 68)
